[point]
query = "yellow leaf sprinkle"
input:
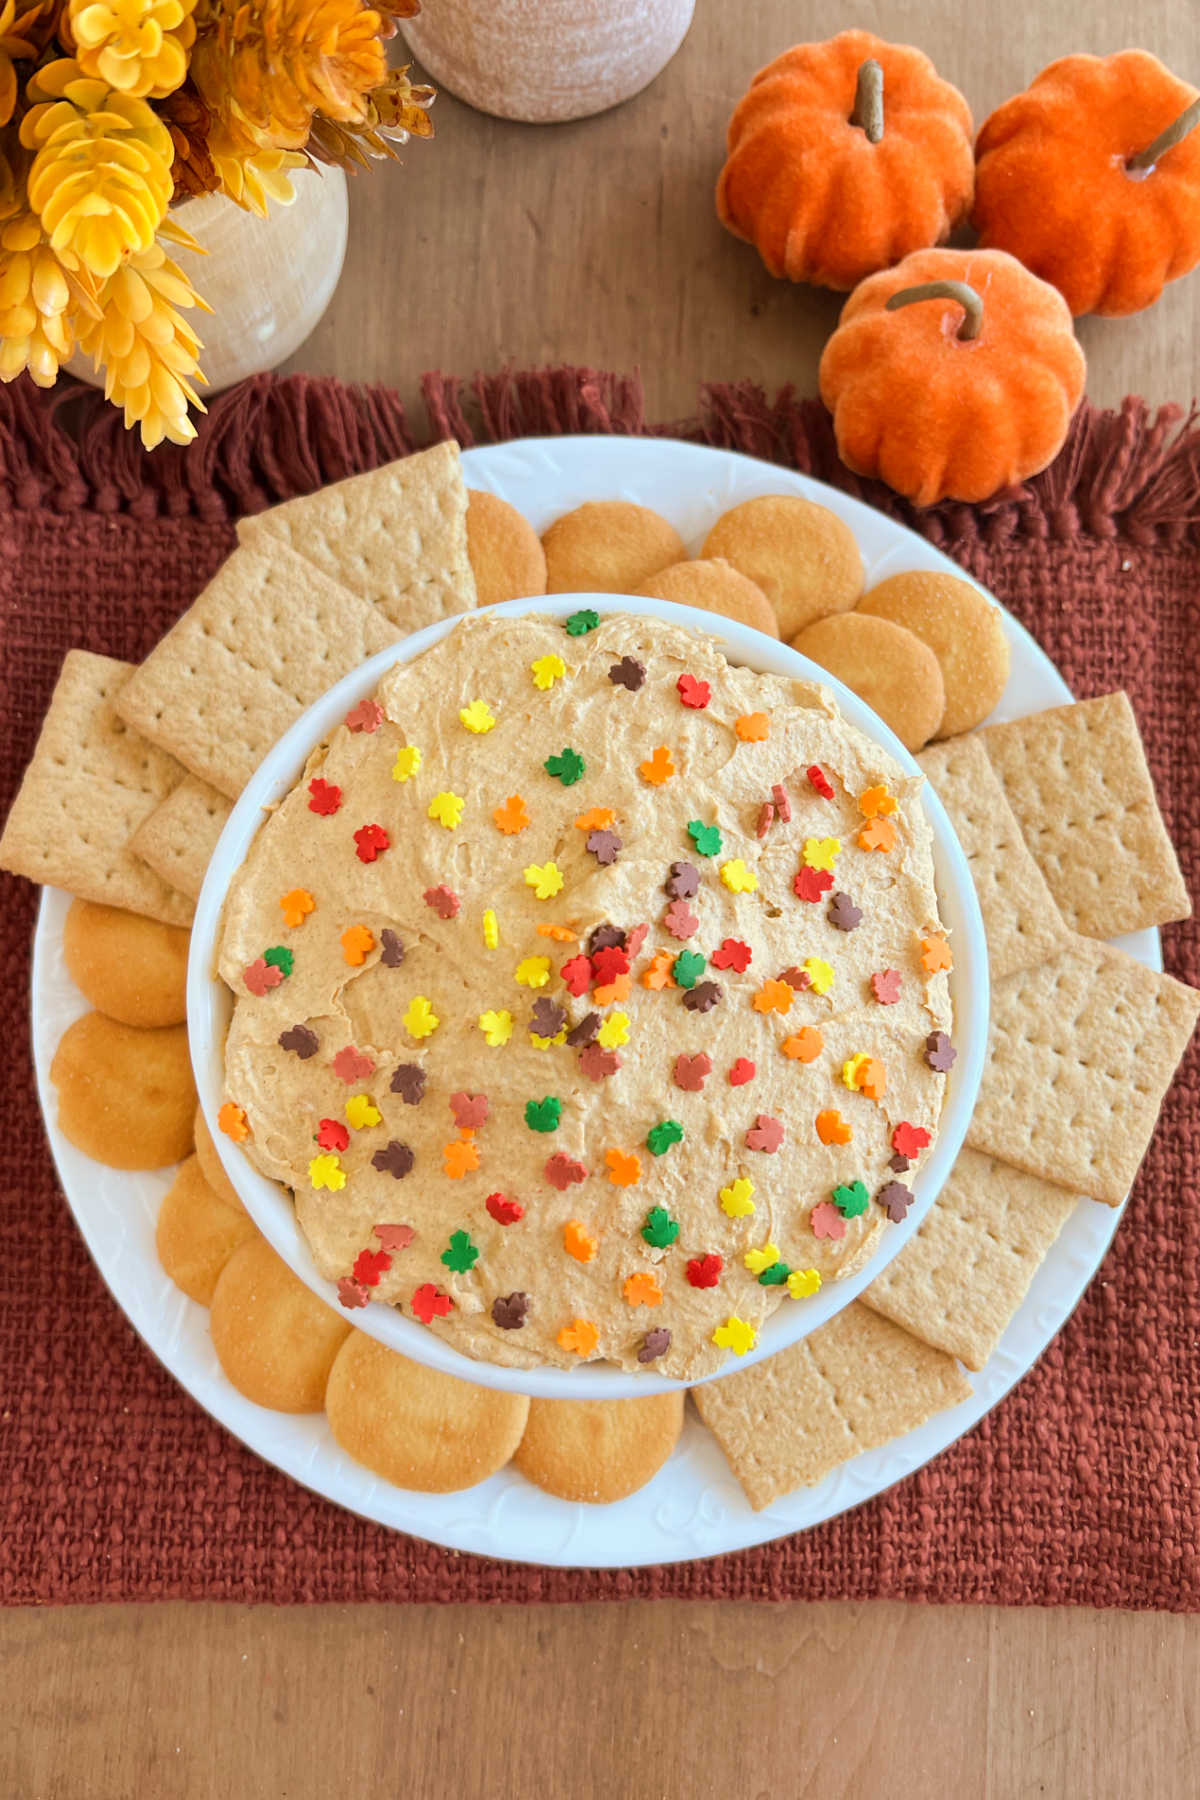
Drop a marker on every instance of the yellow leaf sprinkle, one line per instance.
(819, 973)
(736, 1199)
(545, 881)
(477, 717)
(533, 972)
(496, 1028)
(361, 1112)
(491, 930)
(614, 1032)
(420, 1021)
(822, 853)
(542, 1043)
(736, 1335)
(447, 810)
(852, 1069)
(758, 1260)
(803, 1283)
(326, 1171)
(738, 878)
(546, 671)
(408, 761)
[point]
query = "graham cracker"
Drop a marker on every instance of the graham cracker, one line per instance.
(1082, 1051)
(267, 636)
(396, 536)
(1078, 781)
(178, 838)
(1022, 924)
(89, 785)
(958, 1282)
(854, 1384)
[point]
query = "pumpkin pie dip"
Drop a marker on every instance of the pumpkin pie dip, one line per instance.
(590, 995)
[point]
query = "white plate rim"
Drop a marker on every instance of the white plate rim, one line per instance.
(693, 1508)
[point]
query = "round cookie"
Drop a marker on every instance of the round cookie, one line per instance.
(608, 547)
(274, 1339)
(598, 1450)
(125, 1097)
(963, 630)
(211, 1166)
(414, 1426)
(717, 587)
(897, 675)
(505, 551)
(132, 968)
(197, 1233)
(802, 556)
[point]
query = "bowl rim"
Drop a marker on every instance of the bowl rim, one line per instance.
(210, 1001)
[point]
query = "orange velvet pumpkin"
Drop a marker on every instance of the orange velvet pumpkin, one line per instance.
(1072, 178)
(845, 156)
(954, 394)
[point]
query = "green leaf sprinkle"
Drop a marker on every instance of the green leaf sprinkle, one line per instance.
(688, 967)
(775, 1276)
(580, 623)
(707, 838)
(852, 1200)
(461, 1254)
(543, 1115)
(660, 1228)
(569, 766)
(280, 957)
(660, 1137)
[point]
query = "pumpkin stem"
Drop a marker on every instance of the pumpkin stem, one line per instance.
(967, 298)
(1167, 140)
(868, 101)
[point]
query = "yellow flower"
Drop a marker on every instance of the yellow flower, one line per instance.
(282, 60)
(37, 294)
(420, 1021)
(326, 1171)
(736, 1201)
(100, 180)
(147, 349)
(545, 880)
(496, 1028)
(250, 172)
(19, 42)
(735, 1335)
(758, 1260)
(546, 670)
(138, 47)
(361, 1111)
(477, 717)
(803, 1283)
(408, 761)
(738, 878)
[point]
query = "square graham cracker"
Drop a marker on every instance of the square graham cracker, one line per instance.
(178, 838)
(396, 536)
(1022, 924)
(1077, 779)
(958, 1282)
(90, 783)
(1081, 1053)
(267, 636)
(854, 1384)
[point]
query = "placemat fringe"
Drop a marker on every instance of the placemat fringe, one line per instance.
(1133, 472)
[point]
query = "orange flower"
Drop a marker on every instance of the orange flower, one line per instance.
(281, 60)
(642, 1289)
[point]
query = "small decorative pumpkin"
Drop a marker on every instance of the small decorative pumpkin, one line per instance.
(845, 156)
(952, 375)
(1092, 178)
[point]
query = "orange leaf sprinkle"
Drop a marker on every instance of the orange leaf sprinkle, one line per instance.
(461, 1157)
(512, 816)
(357, 945)
(578, 1241)
(773, 996)
(872, 1078)
(619, 988)
(642, 1289)
(753, 728)
(232, 1121)
(659, 768)
(296, 906)
(558, 933)
(658, 975)
(804, 1045)
(935, 955)
(880, 834)
(596, 818)
(832, 1128)
(624, 1168)
(580, 1336)
(876, 801)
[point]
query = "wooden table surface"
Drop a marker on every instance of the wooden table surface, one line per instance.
(596, 243)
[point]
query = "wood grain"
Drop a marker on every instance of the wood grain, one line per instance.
(597, 243)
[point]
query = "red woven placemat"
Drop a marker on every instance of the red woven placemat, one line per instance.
(1081, 1486)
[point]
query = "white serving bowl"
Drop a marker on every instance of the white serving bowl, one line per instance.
(210, 1004)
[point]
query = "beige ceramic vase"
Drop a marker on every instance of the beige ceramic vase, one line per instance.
(268, 281)
(546, 60)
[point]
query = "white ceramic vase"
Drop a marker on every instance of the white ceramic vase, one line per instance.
(268, 281)
(546, 60)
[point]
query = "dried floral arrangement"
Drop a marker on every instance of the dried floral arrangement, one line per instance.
(114, 111)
